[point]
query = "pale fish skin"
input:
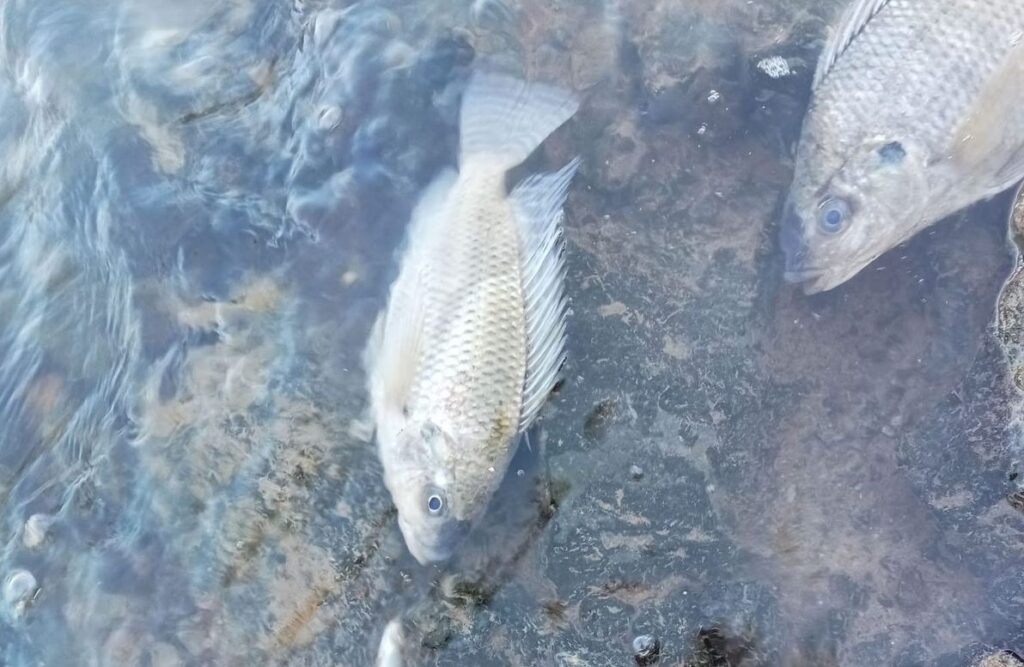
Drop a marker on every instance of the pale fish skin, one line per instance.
(472, 338)
(389, 651)
(917, 112)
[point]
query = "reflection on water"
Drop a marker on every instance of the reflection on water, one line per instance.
(200, 207)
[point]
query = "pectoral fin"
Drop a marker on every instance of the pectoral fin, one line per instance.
(988, 146)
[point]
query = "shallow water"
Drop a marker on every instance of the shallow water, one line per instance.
(201, 204)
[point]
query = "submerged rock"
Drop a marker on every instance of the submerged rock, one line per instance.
(19, 590)
(646, 649)
(35, 530)
(1001, 659)
(745, 475)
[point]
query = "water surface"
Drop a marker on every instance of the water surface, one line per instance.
(200, 207)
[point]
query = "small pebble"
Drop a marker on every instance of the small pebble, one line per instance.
(164, 655)
(775, 67)
(646, 649)
(436, 637)
(35, 530)
(636, 472)
(19, 589)
(330, 118)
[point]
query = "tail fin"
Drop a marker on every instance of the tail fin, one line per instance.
(504, 119)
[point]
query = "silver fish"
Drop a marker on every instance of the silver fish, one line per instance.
(472, 338)
(917, 112)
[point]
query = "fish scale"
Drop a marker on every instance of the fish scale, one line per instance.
(895, 60)
(477, 359)
(917, 112)
(472, 337)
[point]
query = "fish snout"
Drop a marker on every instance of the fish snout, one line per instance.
(452, 534)
(437, 543)
(794, 246)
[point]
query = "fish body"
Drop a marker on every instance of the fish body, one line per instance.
(389, 651)
(917, 112)
(470, 342)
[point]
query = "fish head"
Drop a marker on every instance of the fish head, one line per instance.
(421, 488)
(848, 206)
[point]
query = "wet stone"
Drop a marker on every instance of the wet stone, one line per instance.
(437, 637)
(604, 618)
(1016, 500)
(714, 646)
(35, 530)
(775, 67)
(737, 619)
(20, 588)
(758, 439)
(646, 649)
(1001, 659)
(595, 426)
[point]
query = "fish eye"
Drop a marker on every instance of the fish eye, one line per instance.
(435, 503)
(833, 212)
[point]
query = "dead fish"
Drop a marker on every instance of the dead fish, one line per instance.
(389, 652)
(472, 338)
(917, 112)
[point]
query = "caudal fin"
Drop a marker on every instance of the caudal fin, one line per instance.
(504, 119)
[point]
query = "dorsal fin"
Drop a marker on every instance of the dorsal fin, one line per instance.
(853, 21)
(537, 202)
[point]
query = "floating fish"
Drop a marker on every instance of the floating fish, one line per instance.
(917, 112)
(472, 338)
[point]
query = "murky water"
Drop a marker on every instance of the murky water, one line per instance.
(201, 203)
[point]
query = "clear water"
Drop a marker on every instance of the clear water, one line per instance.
(199, 208)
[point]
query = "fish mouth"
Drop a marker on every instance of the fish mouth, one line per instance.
(795, 249)
(437, 546)
(797, 254)
(425, 555)
(817, 279)
(811, 281)
(802, 275)
(813, 278)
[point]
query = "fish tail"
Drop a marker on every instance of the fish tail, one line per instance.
(504, 119)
